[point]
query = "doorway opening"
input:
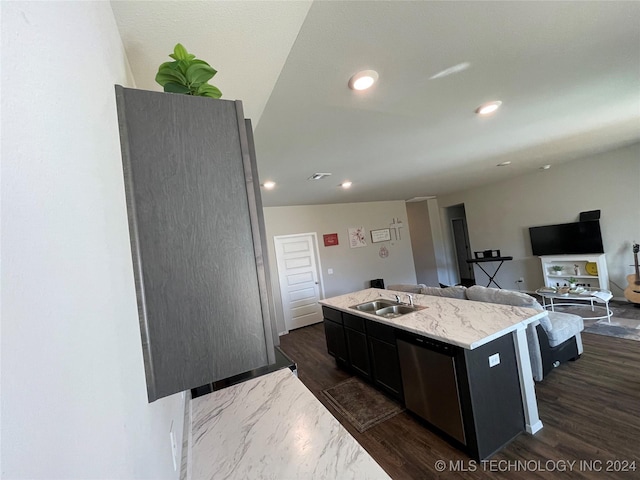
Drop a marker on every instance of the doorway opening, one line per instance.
(461, 244)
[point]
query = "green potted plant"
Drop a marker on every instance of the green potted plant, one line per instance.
(556, 269)
(187, 75)
(572, 282)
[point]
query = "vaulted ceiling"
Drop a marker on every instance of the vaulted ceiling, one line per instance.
(568, 74)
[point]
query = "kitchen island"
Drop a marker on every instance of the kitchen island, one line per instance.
(489, 367)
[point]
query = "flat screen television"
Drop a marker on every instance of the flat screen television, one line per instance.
(567, 238)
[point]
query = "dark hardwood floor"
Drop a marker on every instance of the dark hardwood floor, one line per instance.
(590, 410)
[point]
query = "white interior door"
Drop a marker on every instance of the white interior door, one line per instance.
(299, 279)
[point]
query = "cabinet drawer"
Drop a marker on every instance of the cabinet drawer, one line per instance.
(331, 314)
(381, 332)
(351, 321)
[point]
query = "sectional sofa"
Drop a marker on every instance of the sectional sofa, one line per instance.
(552, 340)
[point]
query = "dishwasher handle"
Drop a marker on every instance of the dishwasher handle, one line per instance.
(429, 344)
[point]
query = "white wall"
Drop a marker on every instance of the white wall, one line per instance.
(74, 401)
(499, 215)
(422, 243)
(442, 260)
(353, 267)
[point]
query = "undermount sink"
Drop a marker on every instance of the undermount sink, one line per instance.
(375, 305)
(395, 311)
(387, 308)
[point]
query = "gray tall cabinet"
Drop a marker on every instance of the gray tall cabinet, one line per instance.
(197, 239)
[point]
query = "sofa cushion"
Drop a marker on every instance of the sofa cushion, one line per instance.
(407, 287)
(563, 327)
(505, 297)
(449, 292)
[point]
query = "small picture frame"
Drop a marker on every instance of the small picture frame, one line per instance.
(382, 235)
(330, 239)
(356, 237)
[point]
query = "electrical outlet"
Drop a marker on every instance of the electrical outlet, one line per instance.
(174, 448)
(494, 360)
(330, 271)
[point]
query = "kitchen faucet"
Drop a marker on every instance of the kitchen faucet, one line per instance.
(409, 296)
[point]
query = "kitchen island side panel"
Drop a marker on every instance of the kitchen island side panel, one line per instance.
(495, 396)
(196, 275)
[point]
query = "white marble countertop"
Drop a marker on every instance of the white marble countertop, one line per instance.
(272, 427)
(465, 323)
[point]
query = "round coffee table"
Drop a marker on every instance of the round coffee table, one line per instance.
(589, 294)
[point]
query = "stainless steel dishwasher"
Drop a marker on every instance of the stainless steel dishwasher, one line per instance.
(430, 384)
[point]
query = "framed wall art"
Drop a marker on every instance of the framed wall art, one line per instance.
(382, 235)
(330, 239)
(356, 237)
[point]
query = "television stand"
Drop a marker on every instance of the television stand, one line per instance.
(588, 276)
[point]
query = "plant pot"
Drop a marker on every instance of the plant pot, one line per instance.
(572, 285)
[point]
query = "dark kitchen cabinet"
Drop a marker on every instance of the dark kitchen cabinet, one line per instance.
(358, 352)
(195, 223)
(336, 343)
(334, 334)
(385, 367)
(383, 353)
(355, 333)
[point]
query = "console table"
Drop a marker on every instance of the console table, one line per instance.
(480, 261)
(590, 295)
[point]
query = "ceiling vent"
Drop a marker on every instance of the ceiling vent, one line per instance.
(318, 176)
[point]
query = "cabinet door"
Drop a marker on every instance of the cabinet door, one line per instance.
(336, 344)
(195, 240)
(358, 352)
(385, 367)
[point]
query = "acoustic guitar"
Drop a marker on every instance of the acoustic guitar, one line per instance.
(632, 292)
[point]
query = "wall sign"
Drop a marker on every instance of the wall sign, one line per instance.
(396, 225)
(356, 237)
(330, 239)
(382, 235)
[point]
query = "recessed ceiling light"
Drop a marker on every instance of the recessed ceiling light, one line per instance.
(318, 176)
(269, 185)
(345, 184)
(451, 70)
(363, 80)
(488, 108)
(545, 167)
(503, 164)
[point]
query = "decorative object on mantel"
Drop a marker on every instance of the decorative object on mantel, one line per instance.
(187, 75)
(572, 282)
(384, 252)
(396, 225)
(556, 269)
(356, 237)
(382, 235)
(330, 239)
(576, 269)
